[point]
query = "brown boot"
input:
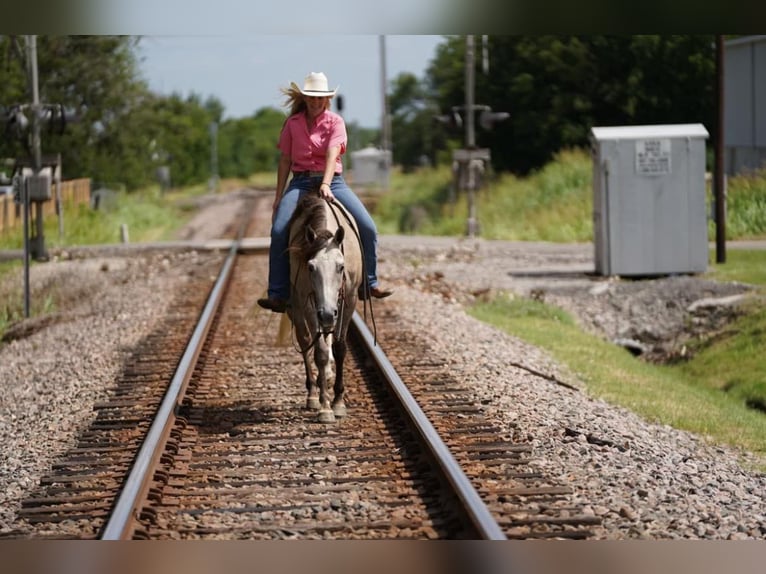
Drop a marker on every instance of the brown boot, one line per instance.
(375, 292)
(276, 305)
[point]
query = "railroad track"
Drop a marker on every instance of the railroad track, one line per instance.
(239, 458)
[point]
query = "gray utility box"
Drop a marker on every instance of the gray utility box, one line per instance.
(39, 187)
(370, 165)
(649, 215)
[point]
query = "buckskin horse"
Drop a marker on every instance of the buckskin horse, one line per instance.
(326, 271)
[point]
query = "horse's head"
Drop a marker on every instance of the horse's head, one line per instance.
(326, 272)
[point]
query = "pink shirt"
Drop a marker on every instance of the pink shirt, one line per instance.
(308, 149)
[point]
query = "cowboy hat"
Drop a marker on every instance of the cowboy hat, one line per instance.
(315, 84)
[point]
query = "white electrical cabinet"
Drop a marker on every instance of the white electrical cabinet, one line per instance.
(370, 166)
(649, 214)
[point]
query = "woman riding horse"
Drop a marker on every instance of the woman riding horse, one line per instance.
(312, 141)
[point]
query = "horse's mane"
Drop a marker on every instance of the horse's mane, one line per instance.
(310, 212)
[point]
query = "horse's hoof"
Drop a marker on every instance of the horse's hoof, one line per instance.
(312, 403)
(326, 416)
(339, 410)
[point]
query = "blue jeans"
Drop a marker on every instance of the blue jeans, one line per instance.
(279, 261)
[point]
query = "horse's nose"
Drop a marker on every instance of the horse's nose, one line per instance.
(327, 316)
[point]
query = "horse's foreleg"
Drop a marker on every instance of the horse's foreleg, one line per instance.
(322, 360)
(339, 352)
(312, 393)
(304, 341)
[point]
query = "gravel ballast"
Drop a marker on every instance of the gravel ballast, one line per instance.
(644, 480)
(51, 376)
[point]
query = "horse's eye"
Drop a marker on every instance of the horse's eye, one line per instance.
(312, 267)
(341, 267)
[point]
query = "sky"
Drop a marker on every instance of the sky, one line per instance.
(246, 72)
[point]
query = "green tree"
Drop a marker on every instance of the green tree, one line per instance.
(95, 78)
(543, 83)
(123, 132)
(415, 135)
(249, 145)
(182, 137)
(557, 87)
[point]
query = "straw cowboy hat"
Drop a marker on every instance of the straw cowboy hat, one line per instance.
(315, 84)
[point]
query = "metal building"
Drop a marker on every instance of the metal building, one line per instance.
(744, 104)
(649, 215)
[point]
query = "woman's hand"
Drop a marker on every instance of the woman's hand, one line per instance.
(325, 192)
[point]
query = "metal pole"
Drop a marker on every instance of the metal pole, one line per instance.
(31, 44)
(213, 156)
(720, 194)
(32, 47)
(386, 120)
(472, 225)
(470, 134)
(25, 207)
(38, 243)
(59, 206)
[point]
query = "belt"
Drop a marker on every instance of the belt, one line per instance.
(311, 173)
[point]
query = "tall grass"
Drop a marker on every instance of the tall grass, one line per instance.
(746, 206)
(553, 204)
(733, 362)
(148, 216)
(418, 202)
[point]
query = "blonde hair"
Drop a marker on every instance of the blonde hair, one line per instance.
(295, 100)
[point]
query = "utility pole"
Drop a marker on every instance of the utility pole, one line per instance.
(719, 183)
(213, 185)
(26, 121)
(472, 225)
(38, 237)
(468, 163)
(470, 88)
(31, 45)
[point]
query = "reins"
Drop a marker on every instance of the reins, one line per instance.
(365, 287)
(319, 333)
(334, 208)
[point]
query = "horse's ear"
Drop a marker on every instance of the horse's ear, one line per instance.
(340, 233)
(311, 235)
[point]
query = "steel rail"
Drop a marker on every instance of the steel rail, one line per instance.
(122, 519)
(485, 524)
